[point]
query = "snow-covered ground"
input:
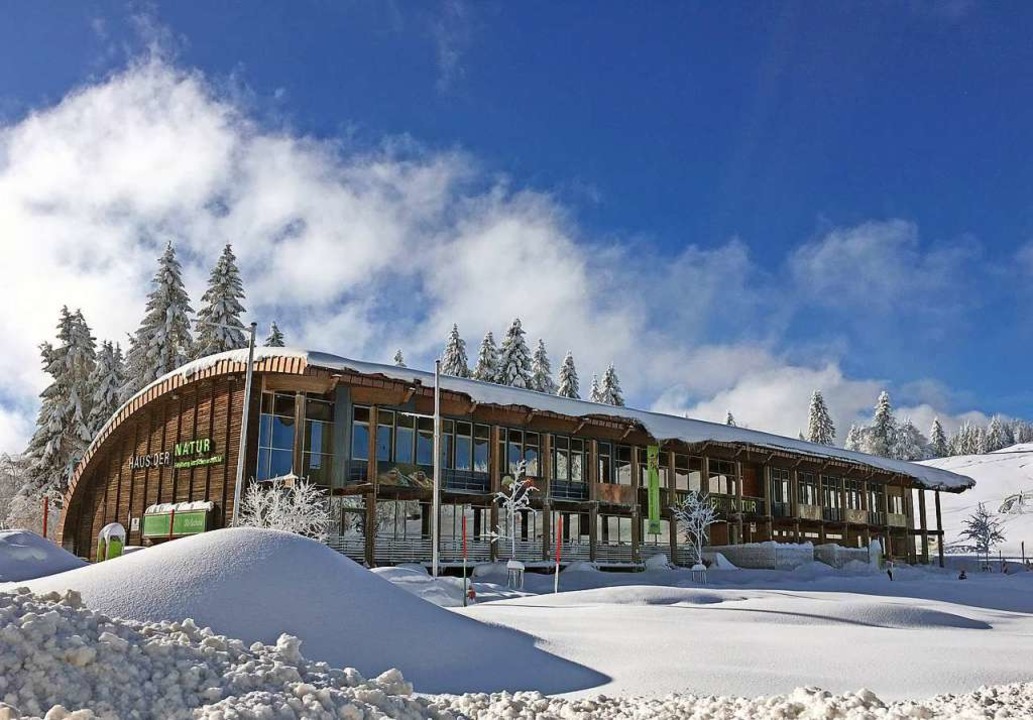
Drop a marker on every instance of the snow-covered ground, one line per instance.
(998, 475)
(750, 643)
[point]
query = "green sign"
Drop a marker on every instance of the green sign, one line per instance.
(653, 471)
(186, 522)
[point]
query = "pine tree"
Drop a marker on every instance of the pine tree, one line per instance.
(162, 343)
(454, 360)
(62, 429)
(610, 392)
(730, 419)
(541, 370)
(984, 529)
(938, 440)
(399, 358)
(911, 444)
(275, 338)
(820, 429)
(595, 395)
(568, 378)
(514, 358)
(881, 436)
(997, 435)
(218, 321)
(487, 360)
(855, 439)
(106, 382)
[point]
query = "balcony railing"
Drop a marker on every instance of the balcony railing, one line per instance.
(876, 518)
(466, 481)
(562, 490)
(832, 514)
(781, 509)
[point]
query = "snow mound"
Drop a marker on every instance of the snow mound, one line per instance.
(719, 562)
(442, 591)
(581, 566)
(257, 584)
(657, 562)
(59, 658)
(626, 595)
(24, 555)
(62, 661)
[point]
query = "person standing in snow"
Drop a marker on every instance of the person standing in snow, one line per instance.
(889, 567)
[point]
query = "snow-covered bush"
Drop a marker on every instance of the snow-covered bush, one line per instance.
(696, 514)
(291, 504)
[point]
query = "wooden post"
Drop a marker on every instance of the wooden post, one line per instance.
(672, 523)
(636, 533)
(794, 502)
(939, 527)
(298, 458)
(738, 502)
(821, 504)
(768, 510)
(923, 525)
(546, 528)
(371, 533)
(369, 546)
(593, 530)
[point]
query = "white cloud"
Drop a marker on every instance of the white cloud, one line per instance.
(361, 254)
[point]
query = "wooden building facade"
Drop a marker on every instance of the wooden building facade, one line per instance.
(365, 433)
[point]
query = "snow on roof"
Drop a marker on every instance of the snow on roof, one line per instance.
(660, 426)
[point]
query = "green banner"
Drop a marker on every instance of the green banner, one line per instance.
(653, 470)
(187, 522)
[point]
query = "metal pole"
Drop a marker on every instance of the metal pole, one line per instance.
(238, 487)
(435, 528)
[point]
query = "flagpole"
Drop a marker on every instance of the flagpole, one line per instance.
(435, 518)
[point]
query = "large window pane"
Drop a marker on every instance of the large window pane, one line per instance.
(282, 433)
(360, 441)
(464, 450)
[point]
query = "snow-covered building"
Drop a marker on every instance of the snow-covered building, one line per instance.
(364, 431)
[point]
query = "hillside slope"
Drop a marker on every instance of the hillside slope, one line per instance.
(1004, 481)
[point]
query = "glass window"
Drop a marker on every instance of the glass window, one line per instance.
(464, 446)
(275, 436)
(561, 459)
(531, 453)
(577, 460)
(481, 440)
(360, 433)
(425, 441)
(779, 485)
(605, 462)
(385, 426)
(722, 477)
(807, 487)
(623, 465)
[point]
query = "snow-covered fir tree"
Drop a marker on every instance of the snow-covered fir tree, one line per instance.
(219, 327)
(911, 444)
(514, 358)
(984, 529)
(968, 440)
(881, 436)
(62, 427)
(730, 419)
(1022, 431)
(275, 338)
(399, 358)
(569, 386)
(998, 435)
(541, 370)
(938, 440)
(819, 423)
(855, 439)
(106, 384)
(610, 392)
(487, 360)
(595, 394)
(163, 342)
(454, 362)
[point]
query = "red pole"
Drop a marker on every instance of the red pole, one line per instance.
(46, 513)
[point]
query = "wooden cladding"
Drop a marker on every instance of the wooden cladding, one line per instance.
(115, 489)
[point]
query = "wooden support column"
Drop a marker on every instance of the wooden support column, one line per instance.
(821, 504)
(738, 502)
(768, 510)
(939, 527)
(636, 534)
(794, 502)
(593, 530)
(888, 550)
(370, 524)
(923, 525)
(672, 523)
(547, 543)
(495, 470)
(593, 469)
(298, 457)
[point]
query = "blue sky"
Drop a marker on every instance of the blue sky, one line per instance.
(758, 199)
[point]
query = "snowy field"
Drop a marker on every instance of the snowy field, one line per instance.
(750, 643)
(999, 476)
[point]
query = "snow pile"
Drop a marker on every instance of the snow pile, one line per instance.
(805, 703)
(658, 561)
(255, 584)
(765, 555)
(54, 652)
(24, 555)
(62, 661)
(581, 566)
(837, 556)
(443, 591)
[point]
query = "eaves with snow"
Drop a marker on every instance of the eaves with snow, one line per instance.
(659, 426)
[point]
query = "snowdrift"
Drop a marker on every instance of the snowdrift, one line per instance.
(256, 584)
(24, 555)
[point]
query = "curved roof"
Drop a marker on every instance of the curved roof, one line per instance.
(659, 426)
